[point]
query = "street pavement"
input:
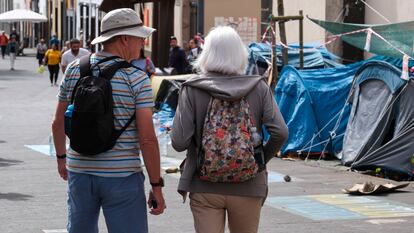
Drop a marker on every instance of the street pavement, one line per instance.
(33, 197)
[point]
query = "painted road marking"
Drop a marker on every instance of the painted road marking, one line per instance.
(169, 162)
(341, 207)
(385, 221)
(44, 149)
(56, 231)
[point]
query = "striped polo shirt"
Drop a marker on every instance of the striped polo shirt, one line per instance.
(131, 90)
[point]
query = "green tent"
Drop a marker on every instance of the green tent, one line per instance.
(399, 35)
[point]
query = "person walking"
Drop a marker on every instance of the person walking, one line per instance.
(113, 180)
(52, 60)
(12, 48)
(144, 63)
(220, 126)
(41, 50)
(177, 58)
(3, 43)
(75, 52)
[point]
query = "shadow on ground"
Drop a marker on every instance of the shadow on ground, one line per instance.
(9, 162)
(15, 196)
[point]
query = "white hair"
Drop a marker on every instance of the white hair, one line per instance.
(224, 52)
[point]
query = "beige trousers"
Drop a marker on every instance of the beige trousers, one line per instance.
(209, 212)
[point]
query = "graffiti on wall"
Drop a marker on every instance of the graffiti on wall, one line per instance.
(245, 26)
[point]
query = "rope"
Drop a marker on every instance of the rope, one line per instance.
(320, 131)
(340, 14)
(320, 143)
(377, 12)
(311, 146)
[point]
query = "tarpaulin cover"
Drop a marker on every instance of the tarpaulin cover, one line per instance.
(380, 130)
(168, 93)
(261, 53)
(400, 35)
(311, 100)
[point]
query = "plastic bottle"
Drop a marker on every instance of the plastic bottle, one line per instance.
(163, 141)
(68, 119)
(156, 122)
(256, 137)
(258, 147)
(52, 151)
(69, 111)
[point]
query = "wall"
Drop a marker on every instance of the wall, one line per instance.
(178, 21)
(5, 5)
(334, 12)
(394, 10)
(314, 9)
(235, 9)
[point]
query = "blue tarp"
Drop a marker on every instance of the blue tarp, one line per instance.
(260, 54)
(311, 101)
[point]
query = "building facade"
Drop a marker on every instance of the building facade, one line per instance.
(5, 5)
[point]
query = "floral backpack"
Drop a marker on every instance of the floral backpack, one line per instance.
(228, 149)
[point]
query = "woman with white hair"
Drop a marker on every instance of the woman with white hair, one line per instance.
(219, 122)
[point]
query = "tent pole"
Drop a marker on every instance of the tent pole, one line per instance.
(275, 72)
(282, 31)
(301, 40)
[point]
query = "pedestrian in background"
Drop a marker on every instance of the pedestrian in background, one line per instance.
(16, 35)
(66, 47)
(54, 41)
(177, 57)
(104, 181)
(3, 43)
(144, 63)
(193, 53)
(41, 50)
(222, 64)
(52, 60)
(199, 39)
(75, 52)
(12, 48)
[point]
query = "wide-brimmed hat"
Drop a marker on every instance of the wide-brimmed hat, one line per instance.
(124, 21)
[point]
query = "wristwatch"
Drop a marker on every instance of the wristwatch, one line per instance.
(160, 183)
(61, 156)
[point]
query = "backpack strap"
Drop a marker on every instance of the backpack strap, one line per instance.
(86, 69)
(85, 66)
(119, 132)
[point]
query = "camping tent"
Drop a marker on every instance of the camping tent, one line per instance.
(380, 130)
(313, 104)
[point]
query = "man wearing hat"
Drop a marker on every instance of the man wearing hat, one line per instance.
(113, 180)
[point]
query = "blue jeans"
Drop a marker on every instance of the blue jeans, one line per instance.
(122, 200)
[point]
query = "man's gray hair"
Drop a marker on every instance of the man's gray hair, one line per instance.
(224, 52)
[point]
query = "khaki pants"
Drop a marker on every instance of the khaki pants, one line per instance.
(209, 212)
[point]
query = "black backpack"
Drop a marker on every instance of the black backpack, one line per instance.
(91, 128)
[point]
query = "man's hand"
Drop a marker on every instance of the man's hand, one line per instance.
(61, 163)
(156, 195)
